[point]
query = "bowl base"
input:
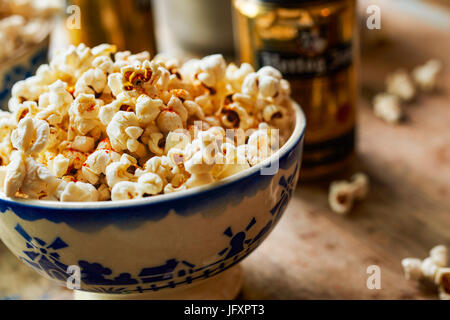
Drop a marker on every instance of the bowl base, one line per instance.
(225, 286)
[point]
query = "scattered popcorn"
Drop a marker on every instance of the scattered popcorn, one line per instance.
(98, 125)
(342, 194)
(412, 268)
(442, 279)
(439, 255)
(387, 107)
(425, 75)
(433, 268)
(400, 84)
(400, 87)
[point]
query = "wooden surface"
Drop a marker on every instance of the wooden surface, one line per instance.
(316, 254)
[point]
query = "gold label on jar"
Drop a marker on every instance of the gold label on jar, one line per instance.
(312, 45)
(308, 66)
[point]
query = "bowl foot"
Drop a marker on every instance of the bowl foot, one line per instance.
(225, 286)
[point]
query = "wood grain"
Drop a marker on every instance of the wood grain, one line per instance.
(316, 254)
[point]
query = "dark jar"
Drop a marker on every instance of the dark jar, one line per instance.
(313, 44)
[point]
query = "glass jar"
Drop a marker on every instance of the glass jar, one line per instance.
(127, 24)
(312, 42)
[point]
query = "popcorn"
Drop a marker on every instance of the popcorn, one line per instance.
(439, 256)
(150, 183)
(153, 137)
(236, 75)
(89, 127)
(59, 165)
(96, 164)
(15, 174)
(433, 269)
(103, 193)
(443, 281)
(83, 144)
(235, 161)
(79, 192)
(115, 83)
(25, 175)
(342, 194)
(104, 63)
(425, 75)
(3, 171)
(121, 171)
(209, 70)
(148, 109)
(387, 107)
(55, 103)
(39, 182)
(412, 268)
(169, 120)
(400, 84)
(116, 131)
(235, 116)
(126, 190)
(31, 135)
(84, 113)
(93, 81)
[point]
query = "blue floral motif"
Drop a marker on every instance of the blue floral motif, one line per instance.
(45, 258)
(286, 194)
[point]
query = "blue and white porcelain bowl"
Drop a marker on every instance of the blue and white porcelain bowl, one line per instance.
(22, 65)
(165, 246)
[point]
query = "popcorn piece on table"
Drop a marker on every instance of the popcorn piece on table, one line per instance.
(342, 194)
(443, 281)
(433, 268)
(400, 84)
(425, 75)
(387, 107)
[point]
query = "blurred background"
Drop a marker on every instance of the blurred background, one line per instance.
(336, 65)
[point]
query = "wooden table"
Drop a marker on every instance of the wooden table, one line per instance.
(316, 254)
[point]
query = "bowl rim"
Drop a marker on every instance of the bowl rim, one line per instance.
(295, 138)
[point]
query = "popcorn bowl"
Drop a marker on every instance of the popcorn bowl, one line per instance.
(184, 245)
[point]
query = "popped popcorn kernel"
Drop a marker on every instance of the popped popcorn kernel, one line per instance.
(342, 194)
(425, 76)
(387, 107)
(401, 85)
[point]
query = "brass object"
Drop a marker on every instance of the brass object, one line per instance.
(313, 44)
(127, 24)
